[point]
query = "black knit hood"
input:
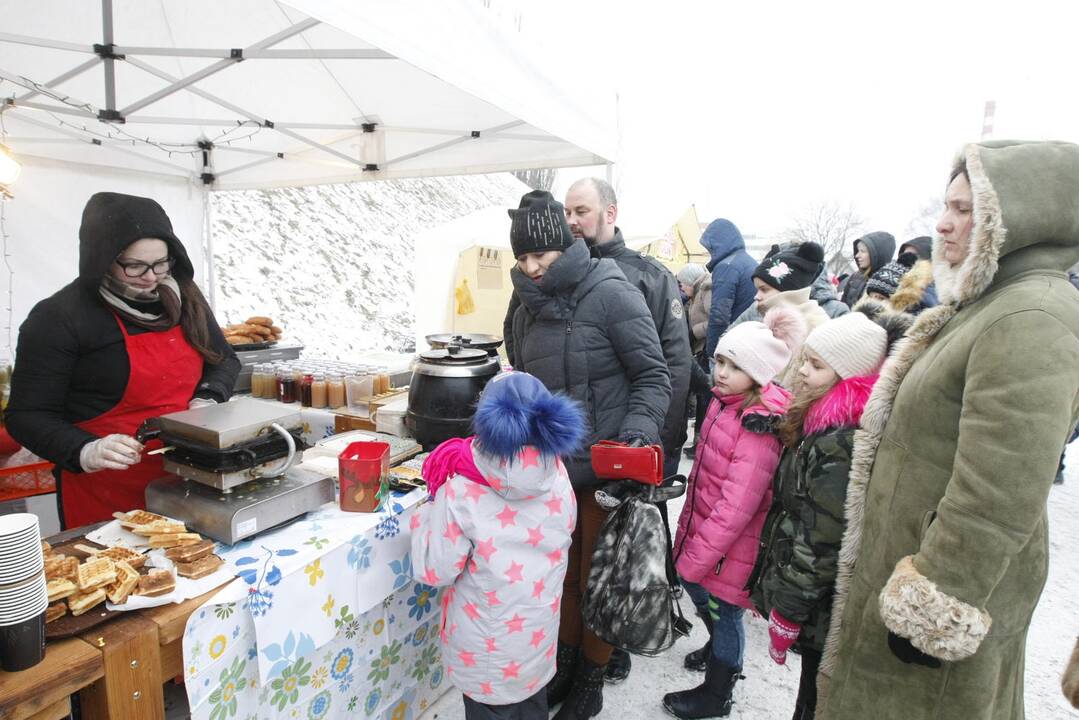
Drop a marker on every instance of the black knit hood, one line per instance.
(111, 222)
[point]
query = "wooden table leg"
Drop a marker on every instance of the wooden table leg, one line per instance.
(56, 711)
(131, 687)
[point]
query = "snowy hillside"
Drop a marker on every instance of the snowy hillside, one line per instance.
(333, 264)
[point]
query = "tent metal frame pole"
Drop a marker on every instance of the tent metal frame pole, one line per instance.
(247, 166)
(73, 72)
(110, 69)
(218, 66)
(240, 111)
(59, 109)
(261, 53)
(46, 43)
(456, 141)
(117, 145)
(208, 249)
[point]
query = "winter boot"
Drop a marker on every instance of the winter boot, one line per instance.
(802, 712)
(710, 699)
(698, 659)
(566, 663)
(618, 667)
(586, 698)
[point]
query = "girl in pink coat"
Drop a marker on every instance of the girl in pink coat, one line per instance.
(730, 491)
(498, 533)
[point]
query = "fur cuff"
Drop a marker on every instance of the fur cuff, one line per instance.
(912, 606)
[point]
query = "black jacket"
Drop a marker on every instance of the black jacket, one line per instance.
(71, 364)
(881, 246)
(660, 291)
(585, 331)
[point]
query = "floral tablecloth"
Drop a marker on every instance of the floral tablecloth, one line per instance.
(323, 620)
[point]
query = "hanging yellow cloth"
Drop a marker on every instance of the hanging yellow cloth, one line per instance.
(463, 295)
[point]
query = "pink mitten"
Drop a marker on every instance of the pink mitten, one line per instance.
(782, 633)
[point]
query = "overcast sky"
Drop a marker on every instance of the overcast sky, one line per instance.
(755, 110)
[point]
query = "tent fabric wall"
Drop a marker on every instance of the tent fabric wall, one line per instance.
(42, 222)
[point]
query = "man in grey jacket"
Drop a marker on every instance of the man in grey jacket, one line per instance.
(592, 211)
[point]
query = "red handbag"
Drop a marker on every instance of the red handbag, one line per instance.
(613, 460)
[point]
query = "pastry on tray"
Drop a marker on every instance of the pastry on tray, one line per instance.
(158, 582)
(132, 557)
(81, 603)
(190, 553)
(127, 579)
(199, 568)
(133, 518)
(55, 611)
(159, 527)
(62, 566)
(60, 588)
(95, 573)
(170, 540)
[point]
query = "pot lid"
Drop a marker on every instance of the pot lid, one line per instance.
(475, 340)
(456, 355)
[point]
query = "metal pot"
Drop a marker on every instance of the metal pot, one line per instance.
(446, 385)
(490, 343)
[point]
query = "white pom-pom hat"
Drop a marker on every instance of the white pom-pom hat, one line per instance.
(763, 349)
(852, 344)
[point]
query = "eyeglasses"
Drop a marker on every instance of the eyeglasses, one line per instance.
(138, 269)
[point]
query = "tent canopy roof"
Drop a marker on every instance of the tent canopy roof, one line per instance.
(283, 91)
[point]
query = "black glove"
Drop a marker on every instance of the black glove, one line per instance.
(909, 654)
(634, 439)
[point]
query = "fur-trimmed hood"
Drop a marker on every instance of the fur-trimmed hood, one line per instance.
(841, 406)
(1011, 234)
(912, 287)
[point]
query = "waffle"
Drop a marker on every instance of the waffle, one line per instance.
(61, 566)
(190, 553)
(160, 527)
(60, 588)
(135, 559)
(95, 573)
(46, 549)
(55, 611)
(134, 518)
(79, 604)
(199, 568)
(158, 582)
(170, 540)
(127, 578)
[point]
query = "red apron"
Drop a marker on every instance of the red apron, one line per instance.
(164, 372)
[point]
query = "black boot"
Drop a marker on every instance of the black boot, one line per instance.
(618, 667)
(586, 698)
(803, 712)
(710, 699)
(566, 664)
(698, 659)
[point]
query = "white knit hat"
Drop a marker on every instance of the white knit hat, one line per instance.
(763, 349)
(852, 344)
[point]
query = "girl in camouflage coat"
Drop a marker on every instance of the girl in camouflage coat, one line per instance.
(794, 580)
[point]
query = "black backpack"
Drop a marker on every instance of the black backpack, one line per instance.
(631, 600)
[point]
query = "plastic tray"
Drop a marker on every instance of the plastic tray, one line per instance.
(22, 481)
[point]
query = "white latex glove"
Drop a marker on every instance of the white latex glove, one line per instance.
(200, 402)
(112, 452)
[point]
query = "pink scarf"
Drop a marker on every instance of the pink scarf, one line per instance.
(453, 457)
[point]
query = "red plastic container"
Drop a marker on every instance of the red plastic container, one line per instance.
(363, 469)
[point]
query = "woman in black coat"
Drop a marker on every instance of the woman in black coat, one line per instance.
(131, 338)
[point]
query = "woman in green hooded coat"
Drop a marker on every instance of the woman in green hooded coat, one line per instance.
(946, 551)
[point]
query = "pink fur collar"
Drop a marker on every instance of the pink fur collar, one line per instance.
(841, 406)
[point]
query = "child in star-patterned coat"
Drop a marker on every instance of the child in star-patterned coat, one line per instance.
(497, 533)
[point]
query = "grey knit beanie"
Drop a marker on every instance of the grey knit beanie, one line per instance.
(852, 344)
(691, 273)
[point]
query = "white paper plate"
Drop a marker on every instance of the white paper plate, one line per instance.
(17, 524)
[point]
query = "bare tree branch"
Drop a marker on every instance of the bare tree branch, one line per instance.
(925, 219)
(832, 226)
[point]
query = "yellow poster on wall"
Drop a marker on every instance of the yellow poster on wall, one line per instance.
(486, 272)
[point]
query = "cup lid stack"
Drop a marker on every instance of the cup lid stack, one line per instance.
(22, 569)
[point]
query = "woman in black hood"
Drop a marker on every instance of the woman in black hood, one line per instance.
(131, 338)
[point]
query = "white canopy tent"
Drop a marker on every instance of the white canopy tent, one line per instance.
(182, 96)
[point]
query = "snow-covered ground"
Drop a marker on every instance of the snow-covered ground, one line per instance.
(768, 691)
(332, 264)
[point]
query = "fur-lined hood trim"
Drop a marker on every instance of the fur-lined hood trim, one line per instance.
(841, 406)
(912, 287)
